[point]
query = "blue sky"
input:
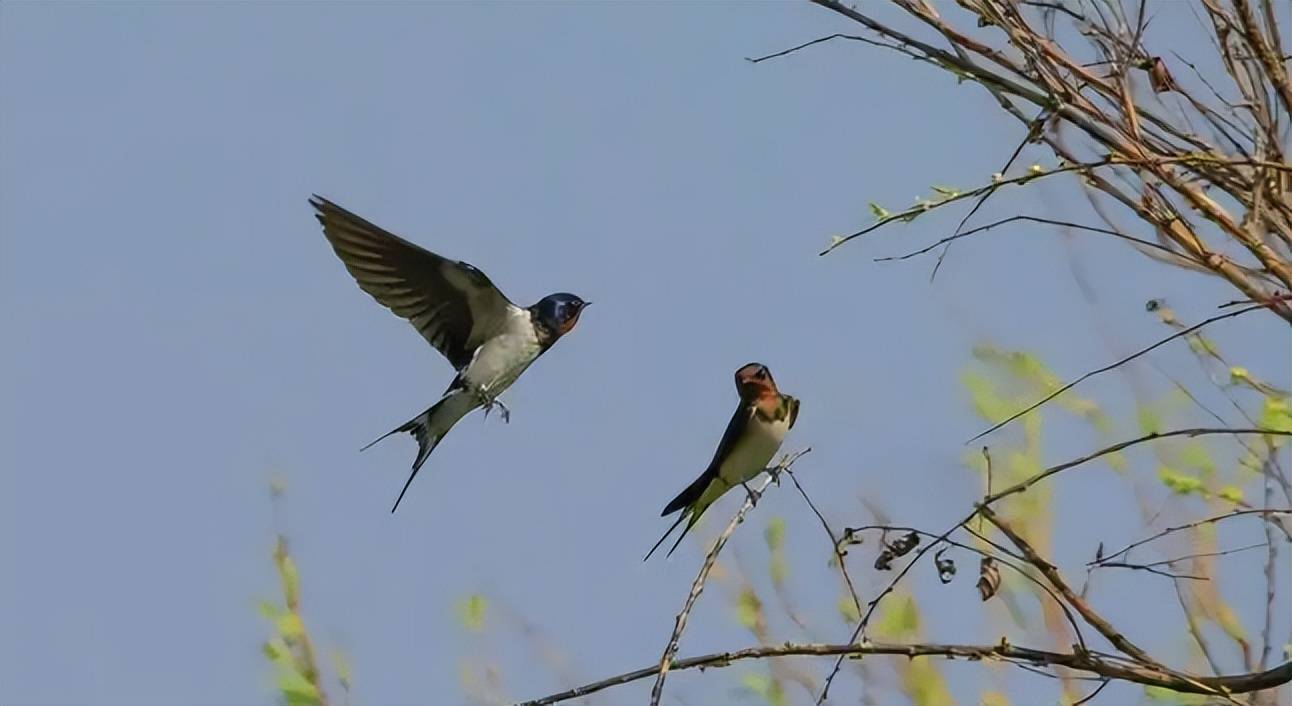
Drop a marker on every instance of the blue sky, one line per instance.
(178, 331)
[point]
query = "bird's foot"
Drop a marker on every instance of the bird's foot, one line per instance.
(502, 409)
(753, 495)
(775, 473)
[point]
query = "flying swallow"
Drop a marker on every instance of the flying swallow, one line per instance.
(489, 340)
(753, 435)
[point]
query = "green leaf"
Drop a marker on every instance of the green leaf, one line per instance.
(879, 212)
(848, 610)
(471, 611)
(758, 683)
(297, 690)
(776, 695)
(1275, 414)
(341, 666)
(1179, 483)
(291, 579)
(1251, 462)
(268, 610)
(901, 618)
(993, 698)
(765, 687)
(1194, 454)
(1232, 493)
(774, 534)
(749, 610)
(290, 626)
(1150, 421)
(1230, 623)
(987, 403)
(778, 569)
(276, 650)
(947, 191)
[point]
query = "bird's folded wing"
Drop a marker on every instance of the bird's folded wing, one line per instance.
(736, 428)
(452, 304)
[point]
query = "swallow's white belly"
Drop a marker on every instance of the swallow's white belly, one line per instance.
(753, 452)
(501, 359)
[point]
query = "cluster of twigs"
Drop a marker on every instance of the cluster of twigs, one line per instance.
(1188, 168)
(1197, 162)
(1132, 663)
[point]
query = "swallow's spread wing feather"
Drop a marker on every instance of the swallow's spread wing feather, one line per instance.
(452, 304)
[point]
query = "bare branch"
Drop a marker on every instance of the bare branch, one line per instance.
(1138, 242)
(698, 585)
(1085, 662)
(1171, 530)
(1029, 482)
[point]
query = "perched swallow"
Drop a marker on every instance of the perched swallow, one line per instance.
(752, 438)
(488, 340)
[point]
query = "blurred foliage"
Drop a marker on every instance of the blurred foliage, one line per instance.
(289, 649)
(766, 689)
(774, 535)
(471, 612)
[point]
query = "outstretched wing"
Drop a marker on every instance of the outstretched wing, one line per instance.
(452, 304)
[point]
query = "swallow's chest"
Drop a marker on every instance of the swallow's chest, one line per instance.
(501, 359)
(754, 450)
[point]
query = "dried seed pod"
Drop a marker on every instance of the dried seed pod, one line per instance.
(884, 562)
(901, 547)
(946, 567)
(905, 544)
(988, 578)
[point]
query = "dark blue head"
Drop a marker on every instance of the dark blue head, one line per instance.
(559, 312)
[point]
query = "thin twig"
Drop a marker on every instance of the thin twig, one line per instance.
(697, 586)
(1271, 578)
(1033, 480)
(1087, 662)
(821, 40)
(1191, 525)
(1033, 129)
(1151, 570)
(1093, 694)
(1048, 221)
(834, 541)
(1186, 557)
(1068, 386)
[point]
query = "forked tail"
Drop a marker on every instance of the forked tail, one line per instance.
(689, 502)
(429, 428)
